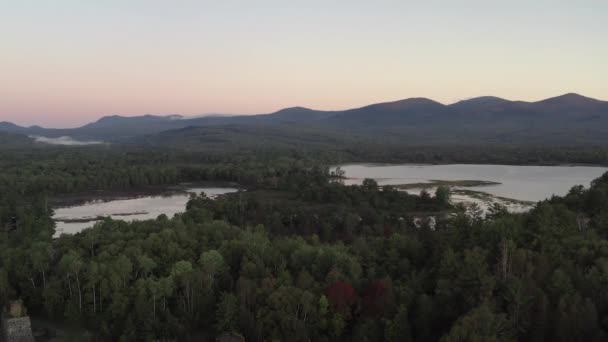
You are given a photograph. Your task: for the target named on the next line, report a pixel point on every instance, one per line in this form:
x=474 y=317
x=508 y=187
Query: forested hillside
x=13 y=140
x=567 y=120
x=297 y=257
x=313 y=171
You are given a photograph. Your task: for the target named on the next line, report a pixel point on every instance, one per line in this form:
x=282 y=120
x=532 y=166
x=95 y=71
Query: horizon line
x=195 y=116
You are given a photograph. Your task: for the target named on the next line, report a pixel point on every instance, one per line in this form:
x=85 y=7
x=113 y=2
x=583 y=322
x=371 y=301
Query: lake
x=75 y=215
x=519 y=183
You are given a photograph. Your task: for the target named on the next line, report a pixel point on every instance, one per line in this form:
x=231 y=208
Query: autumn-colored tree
x=374 y=298
x=341 y=296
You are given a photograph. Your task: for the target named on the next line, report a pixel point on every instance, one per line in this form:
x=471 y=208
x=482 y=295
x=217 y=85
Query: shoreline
x=380 y=164
x=80 y=198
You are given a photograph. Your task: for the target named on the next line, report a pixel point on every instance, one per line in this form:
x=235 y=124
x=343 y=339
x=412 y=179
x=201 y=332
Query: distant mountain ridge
x=565 y=119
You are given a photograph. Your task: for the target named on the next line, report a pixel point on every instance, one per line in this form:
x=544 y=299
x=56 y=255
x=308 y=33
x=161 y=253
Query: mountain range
x=569 y=119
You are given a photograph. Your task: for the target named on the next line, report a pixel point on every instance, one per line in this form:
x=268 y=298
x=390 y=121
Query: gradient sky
x=64 y=63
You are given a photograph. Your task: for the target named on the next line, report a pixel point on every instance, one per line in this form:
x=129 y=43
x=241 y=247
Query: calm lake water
x=526 y=183
x=128 y=208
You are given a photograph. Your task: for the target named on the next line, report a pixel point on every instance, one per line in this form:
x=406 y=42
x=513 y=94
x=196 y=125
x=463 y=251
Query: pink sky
x=67 y=64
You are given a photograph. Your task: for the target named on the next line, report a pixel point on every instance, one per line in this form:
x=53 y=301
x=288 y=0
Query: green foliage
x=480 y=325
x=442 y=194
x=227 y=313
x=299 y=258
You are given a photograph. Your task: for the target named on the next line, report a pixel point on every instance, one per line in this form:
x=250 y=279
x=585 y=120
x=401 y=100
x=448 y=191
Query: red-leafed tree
x=374 y=298
x=388 y=231
x=341 y=296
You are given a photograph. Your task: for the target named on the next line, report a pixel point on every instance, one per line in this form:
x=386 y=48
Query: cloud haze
x=66 y=141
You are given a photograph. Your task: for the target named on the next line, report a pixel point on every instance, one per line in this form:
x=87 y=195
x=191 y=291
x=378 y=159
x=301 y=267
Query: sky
x=64 y=63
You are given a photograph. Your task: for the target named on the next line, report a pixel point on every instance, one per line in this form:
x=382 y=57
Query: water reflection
x=518 y=187
x=526 y=183
x=74 y=218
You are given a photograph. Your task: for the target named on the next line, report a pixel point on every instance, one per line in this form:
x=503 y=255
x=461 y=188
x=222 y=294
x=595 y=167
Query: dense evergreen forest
x=298 y=256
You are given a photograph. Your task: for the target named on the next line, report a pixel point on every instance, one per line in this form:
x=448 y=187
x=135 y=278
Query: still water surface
x=526 y=183
x=71 y=219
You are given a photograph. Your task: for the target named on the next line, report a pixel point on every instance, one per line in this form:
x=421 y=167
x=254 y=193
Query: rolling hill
x=570 y=119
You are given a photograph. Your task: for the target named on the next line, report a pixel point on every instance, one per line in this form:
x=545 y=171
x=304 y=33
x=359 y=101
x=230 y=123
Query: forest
x=299 y=256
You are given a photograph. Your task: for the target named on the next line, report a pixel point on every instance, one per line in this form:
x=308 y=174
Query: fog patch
x=68 y=141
